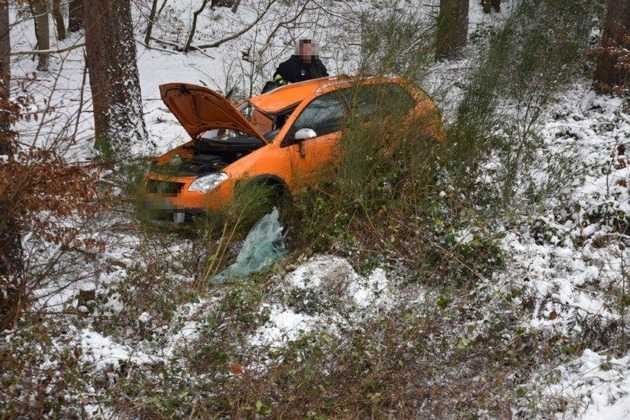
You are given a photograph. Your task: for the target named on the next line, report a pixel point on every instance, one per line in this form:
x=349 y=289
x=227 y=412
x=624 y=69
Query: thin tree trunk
x=452 y=31
x=39 y=8
x=193 y=28
x=155 y=15
x=5 y=77
x=114 y=81
x=12 y=290
x=152 y=15
x=59 y=22
x=609 y=72
x=75 y=20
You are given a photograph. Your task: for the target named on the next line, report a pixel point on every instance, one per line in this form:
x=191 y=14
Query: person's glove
x=279 y=80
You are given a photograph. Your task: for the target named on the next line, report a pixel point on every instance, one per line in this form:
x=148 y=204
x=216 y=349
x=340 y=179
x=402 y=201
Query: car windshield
x=264 y=123
x=269 y=124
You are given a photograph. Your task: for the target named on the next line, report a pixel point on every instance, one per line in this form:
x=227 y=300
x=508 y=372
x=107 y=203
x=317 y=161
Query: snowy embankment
x=573 y=249
x=318 y=277
x=572 y=254
x=315 y=279
x=596 y=385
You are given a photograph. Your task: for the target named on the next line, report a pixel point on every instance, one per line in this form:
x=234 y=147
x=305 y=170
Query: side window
x=324 y=115
x=374 y=100
x=403 y=99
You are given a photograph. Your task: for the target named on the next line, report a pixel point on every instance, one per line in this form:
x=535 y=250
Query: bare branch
x=237 y=34
x=49 y=51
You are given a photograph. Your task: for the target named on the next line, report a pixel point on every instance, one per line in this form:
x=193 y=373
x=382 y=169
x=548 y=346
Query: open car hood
x=199 y=109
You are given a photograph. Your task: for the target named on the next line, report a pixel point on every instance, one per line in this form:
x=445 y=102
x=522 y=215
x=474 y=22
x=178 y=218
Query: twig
x=83 y=80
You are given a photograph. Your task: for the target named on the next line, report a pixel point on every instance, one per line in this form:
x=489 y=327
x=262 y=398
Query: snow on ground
x=104 y=352
x=567 y=253
x=569 y=264
x=572 y=254
x=318 y=277
x=326 y=272
x=284 y=325
x=597 y=386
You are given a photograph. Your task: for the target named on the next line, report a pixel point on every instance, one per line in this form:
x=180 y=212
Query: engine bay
x=209 y=153
x=214 y=149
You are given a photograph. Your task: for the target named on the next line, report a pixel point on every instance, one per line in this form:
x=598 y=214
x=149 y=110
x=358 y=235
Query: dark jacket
x=296 y=70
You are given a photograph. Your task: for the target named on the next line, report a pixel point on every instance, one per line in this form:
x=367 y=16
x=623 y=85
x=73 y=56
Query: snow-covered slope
x=569 y=254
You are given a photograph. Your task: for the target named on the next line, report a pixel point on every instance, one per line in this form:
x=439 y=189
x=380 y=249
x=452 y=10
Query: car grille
x=164 y=187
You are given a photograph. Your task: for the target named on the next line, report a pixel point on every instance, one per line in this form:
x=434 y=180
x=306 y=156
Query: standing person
x=304 y=65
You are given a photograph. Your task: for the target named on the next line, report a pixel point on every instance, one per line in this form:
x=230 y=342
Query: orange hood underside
x=199 y=109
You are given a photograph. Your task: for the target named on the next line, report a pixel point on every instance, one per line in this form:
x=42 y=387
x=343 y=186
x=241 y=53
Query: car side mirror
x=304 y=134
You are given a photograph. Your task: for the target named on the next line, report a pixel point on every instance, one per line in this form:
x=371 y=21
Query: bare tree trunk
x=114 y=81
x=12 y=286
x=5 y=76
x=611 y=71
x=152 y=15
x=155 y=16
x=75 y=21
x=11 y=267
x=59 y=22
x=452 y=31
x=193 y=28
x=39 y=8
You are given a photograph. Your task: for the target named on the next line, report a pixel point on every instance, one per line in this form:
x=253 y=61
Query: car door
x=311 y=159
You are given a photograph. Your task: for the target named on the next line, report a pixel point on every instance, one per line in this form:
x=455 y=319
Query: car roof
x=286 y=96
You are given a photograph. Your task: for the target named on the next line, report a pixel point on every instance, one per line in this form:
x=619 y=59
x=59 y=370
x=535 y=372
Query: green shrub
x=540 y=48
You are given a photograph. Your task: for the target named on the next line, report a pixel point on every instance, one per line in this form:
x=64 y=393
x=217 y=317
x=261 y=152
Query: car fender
x=268 y=161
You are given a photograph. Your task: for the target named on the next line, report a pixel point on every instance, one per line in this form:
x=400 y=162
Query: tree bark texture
x=152 y=17
x=5 y=76
x=452 y=31
x=39 y=8
x=75 y=20
x=114 y=81
x=612 y=65
x=59 y=22
x=11 y=268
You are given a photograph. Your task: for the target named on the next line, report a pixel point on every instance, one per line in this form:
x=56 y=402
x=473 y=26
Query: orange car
x=282 y=138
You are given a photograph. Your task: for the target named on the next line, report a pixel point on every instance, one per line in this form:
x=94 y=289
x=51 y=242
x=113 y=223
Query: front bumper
x=161 y=210
x=179 y=197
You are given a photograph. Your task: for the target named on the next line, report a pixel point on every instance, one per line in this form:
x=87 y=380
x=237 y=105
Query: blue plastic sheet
x=263 y=246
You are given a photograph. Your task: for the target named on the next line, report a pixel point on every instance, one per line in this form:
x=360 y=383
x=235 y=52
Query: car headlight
x=208 y=182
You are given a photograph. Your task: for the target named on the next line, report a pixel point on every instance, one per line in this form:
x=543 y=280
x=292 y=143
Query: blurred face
x=306 y=51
